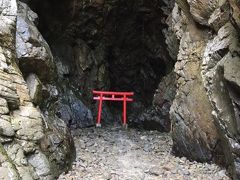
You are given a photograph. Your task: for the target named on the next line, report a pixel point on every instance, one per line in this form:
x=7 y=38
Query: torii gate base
x=112 y=96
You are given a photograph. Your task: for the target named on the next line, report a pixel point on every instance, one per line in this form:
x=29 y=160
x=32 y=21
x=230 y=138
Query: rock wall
x=205 y=112
x=32 y=146
x=108 y=45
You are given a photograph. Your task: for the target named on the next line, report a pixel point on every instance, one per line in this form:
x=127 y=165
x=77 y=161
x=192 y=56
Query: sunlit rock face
x=23 y=126
x=205 y=112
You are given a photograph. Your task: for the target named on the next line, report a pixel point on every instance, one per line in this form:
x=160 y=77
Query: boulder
x=41 y=165
x=72 y=110
x=231 y=71
x=201 y=10
x=6 y=128
x=58 y=144
x=153 y=119
x=7 y=168
x=33 y=52
x=27 y=122
x=35 y=88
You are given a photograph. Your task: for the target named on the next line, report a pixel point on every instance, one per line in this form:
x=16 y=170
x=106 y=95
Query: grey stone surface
x=73 y=111
x=33 y=52
x=115 y=153
x=218 y=62
x=41 y=164
x=21 y=123
x=35 y=88
x=3 y=106
x=6 y=128
x=27 y=123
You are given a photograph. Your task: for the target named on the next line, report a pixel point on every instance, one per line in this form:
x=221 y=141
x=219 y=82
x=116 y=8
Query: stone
x=153 y=119
x=201 y=10
x=6 y=174
x=58 y=144
x=27 y=123
x=73 y=111
x=220 y=16
x=28 y=146
x=3 y=106
x=7 y=168
x=16 y=153
x=193 y=130
x=6 y=128
x=35 y=88
x=231 y=73
x=21 y=123
x=217 y=76
x=33 y=52
x=8 y=91
x=41 y=164
x=128 y=157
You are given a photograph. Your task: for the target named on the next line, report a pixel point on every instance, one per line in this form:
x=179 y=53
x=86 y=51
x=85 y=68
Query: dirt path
x=116 y=153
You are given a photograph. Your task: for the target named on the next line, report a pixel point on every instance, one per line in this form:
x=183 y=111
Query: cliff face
x=32 y=146
x=205 y=111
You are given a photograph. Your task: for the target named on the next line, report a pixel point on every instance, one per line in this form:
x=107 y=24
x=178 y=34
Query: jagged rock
x=165 y=93
x=33 y=51
x=73 y=111
x=201 y=10
x=21 y=124
x=153 y=119
x=6 y=128
x=41 y=164
x=194 y=133
x=8 y=91
x=82 y=62
x=3 y=106
x=218 y=62
x=219 y=77
x=220 y=16
x=16 y=153
x=58 y=144
x=170 y=37
x=29 y=147
x=7 y=168
x=35 y=88
x=27 y=123
x=231 y=71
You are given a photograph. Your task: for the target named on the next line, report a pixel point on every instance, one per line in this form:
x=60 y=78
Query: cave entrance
x=108 y=45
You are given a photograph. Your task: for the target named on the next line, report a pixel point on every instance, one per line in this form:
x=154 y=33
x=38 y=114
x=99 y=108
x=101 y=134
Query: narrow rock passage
x=116 y=153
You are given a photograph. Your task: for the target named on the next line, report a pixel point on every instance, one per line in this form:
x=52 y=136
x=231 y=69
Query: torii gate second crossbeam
x=112 y=96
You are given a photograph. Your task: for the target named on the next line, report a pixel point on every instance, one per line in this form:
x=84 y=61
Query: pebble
x=118 y=154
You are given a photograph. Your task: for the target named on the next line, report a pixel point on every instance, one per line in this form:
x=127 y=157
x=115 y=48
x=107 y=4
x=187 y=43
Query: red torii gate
x=112 y=96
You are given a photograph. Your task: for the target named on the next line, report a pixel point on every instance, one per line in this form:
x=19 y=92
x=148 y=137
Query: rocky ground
x=117 y=153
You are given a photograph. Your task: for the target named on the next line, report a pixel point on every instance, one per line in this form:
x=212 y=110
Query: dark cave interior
x=109 y=45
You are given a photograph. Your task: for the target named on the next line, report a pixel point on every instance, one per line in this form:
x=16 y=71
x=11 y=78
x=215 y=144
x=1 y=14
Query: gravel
x=119 y=154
